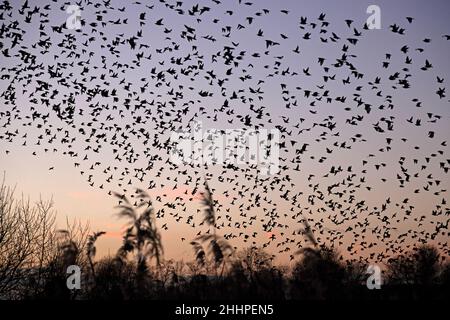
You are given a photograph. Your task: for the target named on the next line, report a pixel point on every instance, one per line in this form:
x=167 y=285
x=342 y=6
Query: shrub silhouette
x=320 y=274
x=254 y=274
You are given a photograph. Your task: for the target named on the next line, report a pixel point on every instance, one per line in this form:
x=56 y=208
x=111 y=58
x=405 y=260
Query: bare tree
x=419 y=266
x=25 y=241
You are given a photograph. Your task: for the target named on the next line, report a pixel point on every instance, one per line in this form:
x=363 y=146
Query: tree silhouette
x=420 y=267
x=26 y=242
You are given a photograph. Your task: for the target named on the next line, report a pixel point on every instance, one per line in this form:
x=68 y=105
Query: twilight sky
x=99 y=111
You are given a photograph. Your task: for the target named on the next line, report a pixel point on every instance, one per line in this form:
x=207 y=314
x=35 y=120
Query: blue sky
x=75 y=198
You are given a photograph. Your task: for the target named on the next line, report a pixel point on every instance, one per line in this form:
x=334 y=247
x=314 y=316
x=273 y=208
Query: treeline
x=35 y=257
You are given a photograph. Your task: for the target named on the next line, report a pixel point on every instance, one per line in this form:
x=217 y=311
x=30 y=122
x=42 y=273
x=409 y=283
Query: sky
x=93 y=61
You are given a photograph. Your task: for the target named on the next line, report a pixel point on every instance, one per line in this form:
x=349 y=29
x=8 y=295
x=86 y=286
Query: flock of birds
x=108 y=96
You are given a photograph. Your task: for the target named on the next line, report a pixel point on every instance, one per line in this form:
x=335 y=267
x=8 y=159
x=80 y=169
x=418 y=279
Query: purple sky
x=93 y=63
